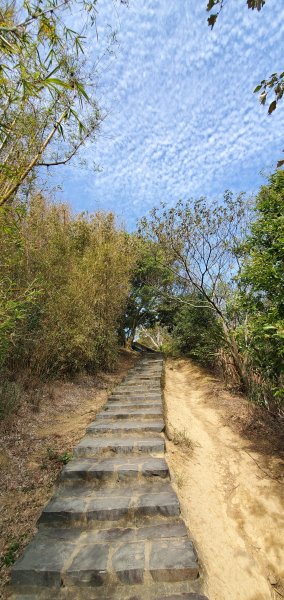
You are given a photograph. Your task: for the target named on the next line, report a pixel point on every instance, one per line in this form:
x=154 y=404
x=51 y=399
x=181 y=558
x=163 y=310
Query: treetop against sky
x=182 y=117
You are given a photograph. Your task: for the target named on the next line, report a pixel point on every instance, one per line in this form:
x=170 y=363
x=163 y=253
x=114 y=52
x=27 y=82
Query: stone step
x=92 y=446
x=143 y=378
x=136 y=394
x=139 y=386
x=148 y=591
x=118 y=468
x=126 y=426
x=122 y=404
x=185 y=596
x=130 y=413
x=113 y=531
x=78 y=506
x=63 y=558
x=134 y=400
x=155 y=370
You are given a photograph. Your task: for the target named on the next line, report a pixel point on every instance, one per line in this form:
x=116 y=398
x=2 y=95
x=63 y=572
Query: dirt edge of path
x=228 y=472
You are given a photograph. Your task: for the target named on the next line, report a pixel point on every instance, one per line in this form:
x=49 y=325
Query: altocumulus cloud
x=182 y=117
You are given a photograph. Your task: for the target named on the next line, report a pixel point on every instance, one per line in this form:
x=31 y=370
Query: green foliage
x=11 y=554
x=225 y=305
x=157 y=337
x=59 y=458
x=149 y=279
x=65 y=283
x=197 y=331
x=48 y=107
x=199 y=239
x=261 y=336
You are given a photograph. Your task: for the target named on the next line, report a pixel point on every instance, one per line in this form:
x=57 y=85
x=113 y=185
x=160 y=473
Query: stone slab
x=91 y=446
x=90 y=468
x=89 y=566
x=190 y=596
x=155 y=530
x=130 y=412
x=128 y=562
x=121 y=404
x=165 y=503
x=126 y=426
x=173 y=562
x=76 y=506
x=136 y=396
x=42 y=563
x=137 y=404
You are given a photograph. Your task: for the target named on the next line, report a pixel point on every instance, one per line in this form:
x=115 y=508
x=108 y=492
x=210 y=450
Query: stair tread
x=130 y=412
x=128 y=442
x=115 y=443
x=119 y=465
x=127 y=425
x=113 y=503
x=77 y=557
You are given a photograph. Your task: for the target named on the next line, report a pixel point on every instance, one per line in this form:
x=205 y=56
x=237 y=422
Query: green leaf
x=258 y=87
x=82 y=91
x=55 y=81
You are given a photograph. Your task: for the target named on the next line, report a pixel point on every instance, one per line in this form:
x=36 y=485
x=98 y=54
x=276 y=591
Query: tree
x=48 y=108
x=261 y=290
x=199 y=242
x=196 y=331
x=148 y=280
x=64 y=287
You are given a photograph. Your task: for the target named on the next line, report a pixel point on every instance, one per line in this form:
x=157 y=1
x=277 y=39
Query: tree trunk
x=237 y=358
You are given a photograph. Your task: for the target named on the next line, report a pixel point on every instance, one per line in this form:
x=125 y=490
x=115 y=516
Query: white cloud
x=183 y=117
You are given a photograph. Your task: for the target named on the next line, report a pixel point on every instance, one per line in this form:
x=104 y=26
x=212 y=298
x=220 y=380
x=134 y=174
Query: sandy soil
x=33 y=446
x=230 y=484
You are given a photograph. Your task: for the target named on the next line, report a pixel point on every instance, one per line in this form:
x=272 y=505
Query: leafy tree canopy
x=48 y=106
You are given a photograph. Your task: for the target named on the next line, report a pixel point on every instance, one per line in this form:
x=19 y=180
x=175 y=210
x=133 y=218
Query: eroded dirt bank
x=231 y=492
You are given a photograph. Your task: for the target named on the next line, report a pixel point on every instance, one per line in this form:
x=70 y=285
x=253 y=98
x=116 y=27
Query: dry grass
x=179 y=438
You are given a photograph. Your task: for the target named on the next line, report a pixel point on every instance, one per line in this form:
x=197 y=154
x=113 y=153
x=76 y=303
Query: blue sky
x=183 y=120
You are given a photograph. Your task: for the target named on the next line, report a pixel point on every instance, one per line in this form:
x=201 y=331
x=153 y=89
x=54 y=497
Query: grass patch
x=179 y=438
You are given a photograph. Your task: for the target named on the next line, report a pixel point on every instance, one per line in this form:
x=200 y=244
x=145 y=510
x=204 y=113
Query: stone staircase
x=113 y=529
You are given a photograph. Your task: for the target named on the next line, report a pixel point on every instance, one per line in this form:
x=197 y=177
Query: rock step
x=134 y=399
x=91 y=446
x=117 y=468
x=151 y=591
x=137 y=404
x=139 y=386
x=125 y=426
x=143 y=378
x=82 y=506
x=137 y=395
x=113 y=530
x=144 y=374
x=157 y=553
x=130 y=413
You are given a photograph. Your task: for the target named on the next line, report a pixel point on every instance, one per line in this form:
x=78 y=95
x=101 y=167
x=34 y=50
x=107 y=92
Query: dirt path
x=233 y=505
